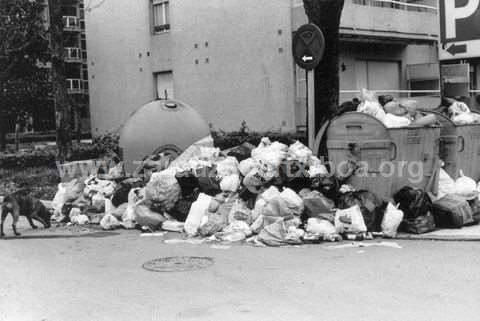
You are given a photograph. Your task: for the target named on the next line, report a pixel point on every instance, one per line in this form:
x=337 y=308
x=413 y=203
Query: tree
x=326 y=15
x=63 y=104
x=23 y=52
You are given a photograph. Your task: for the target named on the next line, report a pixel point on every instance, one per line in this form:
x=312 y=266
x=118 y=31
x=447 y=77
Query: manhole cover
x=178 y=264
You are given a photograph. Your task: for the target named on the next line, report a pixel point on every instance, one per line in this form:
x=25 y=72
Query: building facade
x=75 y=56
x=232 y=60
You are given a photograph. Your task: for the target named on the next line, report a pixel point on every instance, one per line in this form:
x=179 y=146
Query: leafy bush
x=228 y=140
x=106 y=145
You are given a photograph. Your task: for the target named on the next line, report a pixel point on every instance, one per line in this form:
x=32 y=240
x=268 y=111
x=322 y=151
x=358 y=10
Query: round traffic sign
x=308 y=46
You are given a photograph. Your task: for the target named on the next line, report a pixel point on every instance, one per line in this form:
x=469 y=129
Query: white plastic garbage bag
x=173 y=226
x=144 y=216
x=94 y=185
x=299 y=152
x=74 y=212
x=193 y=151
x=463 y=119
x=270 y=193
x=246 y=166
x=227 y=167
x=458 y=108
x=446 y=185
x=163 y=189
x=198 y=210
x=109 y=222
x=391 y=220
x=466 y=187
x=392 y=121
x=98 y=201
x=80 y=219
x=230 y=183
x=370 y=105
x=321 y=227
x=350 y=220
x=239 y=226
x=293 y=200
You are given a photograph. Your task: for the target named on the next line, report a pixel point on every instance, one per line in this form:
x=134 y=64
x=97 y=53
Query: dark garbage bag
x=241 y=152
x=419 y=225
x=413 y=202
x=182 y=206
x=328 y=186
x=452 y=211
x=317 y=206
x=371 y=206
x=417 y=209
x=475 y=206
x=385 y=99
x=120 y=195
x=188 y=181
x=293 y=175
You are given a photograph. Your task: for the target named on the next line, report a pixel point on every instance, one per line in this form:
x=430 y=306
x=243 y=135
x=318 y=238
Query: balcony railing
x=75 y=86
x=73 y=54
x=426 y=6
x=71 y=23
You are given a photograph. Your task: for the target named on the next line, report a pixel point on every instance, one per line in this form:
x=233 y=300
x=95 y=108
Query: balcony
x=372 y=20
x=71 y=24
x=75 y=86
x=73 y=55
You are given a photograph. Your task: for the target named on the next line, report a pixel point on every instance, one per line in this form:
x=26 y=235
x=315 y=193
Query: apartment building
x=232 y=61
x=75 y=56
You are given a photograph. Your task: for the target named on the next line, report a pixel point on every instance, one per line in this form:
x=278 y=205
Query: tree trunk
x=63 y=108
x=3 y=133
x=78 y=123
x=326 y=15
x=17 y=135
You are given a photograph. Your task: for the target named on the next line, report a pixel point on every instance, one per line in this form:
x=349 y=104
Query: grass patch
x=41 y=181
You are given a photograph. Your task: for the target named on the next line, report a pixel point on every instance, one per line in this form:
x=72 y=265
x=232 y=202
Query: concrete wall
x=367 y=20
x=231 y=60
x=242 y=68
x=118 y=40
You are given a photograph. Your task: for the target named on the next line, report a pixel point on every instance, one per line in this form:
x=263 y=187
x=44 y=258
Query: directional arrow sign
x=457 y=49
x=459 y=29
x=307 y=58
x=308 y=46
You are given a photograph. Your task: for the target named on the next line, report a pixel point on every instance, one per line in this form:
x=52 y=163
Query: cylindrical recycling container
x=460 y=147
x=385 y=160
x=161 y=126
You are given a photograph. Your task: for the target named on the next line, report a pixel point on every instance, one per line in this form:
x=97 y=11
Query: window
x=161 y=19
x=164 y=82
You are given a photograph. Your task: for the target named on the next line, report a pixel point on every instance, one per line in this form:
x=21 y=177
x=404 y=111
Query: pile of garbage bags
x=272 y=194
x=391 y=112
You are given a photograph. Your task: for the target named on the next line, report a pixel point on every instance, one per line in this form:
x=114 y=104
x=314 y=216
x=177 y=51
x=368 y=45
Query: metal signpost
x=459 y=29
x=308 y=49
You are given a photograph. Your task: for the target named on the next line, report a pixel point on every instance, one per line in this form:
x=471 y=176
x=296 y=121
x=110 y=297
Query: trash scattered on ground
x=362 y=244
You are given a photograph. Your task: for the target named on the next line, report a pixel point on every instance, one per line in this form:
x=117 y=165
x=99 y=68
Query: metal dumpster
x=161 y=126
x=388 y=159
x=460 y=147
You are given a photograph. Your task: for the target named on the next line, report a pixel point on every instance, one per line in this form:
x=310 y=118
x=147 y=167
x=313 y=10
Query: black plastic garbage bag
x=371 y=206
x=293 y=175
x=188 y=181
x=328 y=186
x=120 y=194
x=241 y=152
x=413 y=202
x=182 y=206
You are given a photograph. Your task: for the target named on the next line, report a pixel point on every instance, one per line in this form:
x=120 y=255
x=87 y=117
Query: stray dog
x=20 y=204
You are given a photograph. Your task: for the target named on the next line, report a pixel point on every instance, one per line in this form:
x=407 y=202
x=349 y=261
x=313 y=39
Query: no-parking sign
x=459 y=29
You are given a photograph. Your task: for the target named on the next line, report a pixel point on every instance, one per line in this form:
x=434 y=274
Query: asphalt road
x=47 y=275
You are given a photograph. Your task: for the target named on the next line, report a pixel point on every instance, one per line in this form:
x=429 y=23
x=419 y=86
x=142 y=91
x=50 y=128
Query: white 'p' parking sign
x=459 y=29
